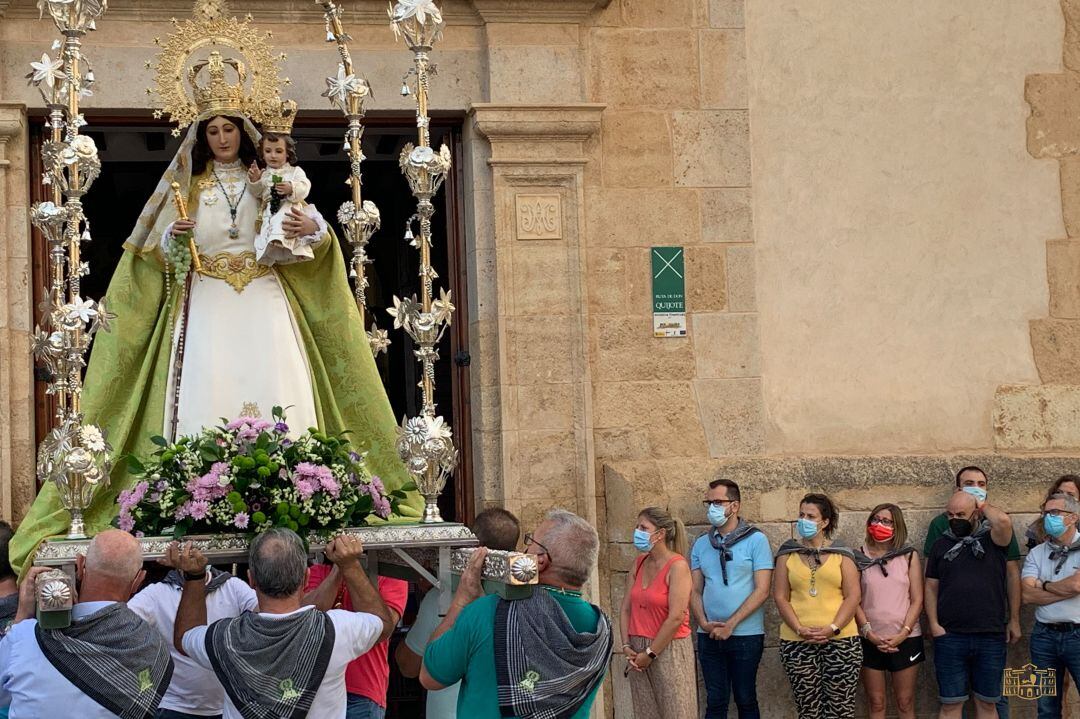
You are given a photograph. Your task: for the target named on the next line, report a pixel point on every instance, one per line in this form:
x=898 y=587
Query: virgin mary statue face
x=223 y=137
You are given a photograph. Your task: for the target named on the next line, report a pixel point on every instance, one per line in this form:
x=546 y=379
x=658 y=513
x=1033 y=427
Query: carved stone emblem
x=539 y=217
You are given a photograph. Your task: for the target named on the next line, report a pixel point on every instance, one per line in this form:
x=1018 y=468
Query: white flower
x=82 y=309
x=92 y=438
x=84 y=147
x=437 y=428
x=420 y=9
x=47 y=71
x=338 y=89
x=421 y=155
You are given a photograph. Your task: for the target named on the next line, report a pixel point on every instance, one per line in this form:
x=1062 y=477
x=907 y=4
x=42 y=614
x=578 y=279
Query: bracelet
x=906 y=628
x=866 y=629
x=1044 y=584
x=627 y=645
x=192 y=577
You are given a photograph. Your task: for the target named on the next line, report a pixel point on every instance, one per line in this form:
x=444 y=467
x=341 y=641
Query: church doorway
x=135 y=152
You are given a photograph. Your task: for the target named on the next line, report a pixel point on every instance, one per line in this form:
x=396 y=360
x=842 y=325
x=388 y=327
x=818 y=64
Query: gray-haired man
x=290 y=658
x=541 y=656
x=1051 y=581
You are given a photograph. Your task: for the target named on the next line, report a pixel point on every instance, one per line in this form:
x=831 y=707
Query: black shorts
x=911 y=653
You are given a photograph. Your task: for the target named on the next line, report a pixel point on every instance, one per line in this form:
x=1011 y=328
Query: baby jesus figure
x=281 y=186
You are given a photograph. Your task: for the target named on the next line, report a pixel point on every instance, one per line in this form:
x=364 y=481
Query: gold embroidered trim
x=238 y=269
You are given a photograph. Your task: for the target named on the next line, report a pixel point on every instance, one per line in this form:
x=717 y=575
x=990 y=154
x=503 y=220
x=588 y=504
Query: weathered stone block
x=1055 y=345
x=547 y=464
x=1037 y=417
x=535 y=74
x=732 y=412
x=642 y=218
x=726 y=13
x=726 y=345
x=727 y=215
x=711 y=148
x=541 y=282
x=1063 y=273
x=621 y=443
x=540 y=349
x=1055 y=102
x=632 y=66
x=741 y=278
x=637 y=149
x=657 y=13
x=664 y=409
x=706 y=278
x=619 y=281
x=546 y=406
x=627 y=350
x=1069 y=171
x=723 y=69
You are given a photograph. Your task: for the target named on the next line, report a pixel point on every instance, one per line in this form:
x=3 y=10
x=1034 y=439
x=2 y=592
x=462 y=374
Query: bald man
x=108 y=663
x=966 y=601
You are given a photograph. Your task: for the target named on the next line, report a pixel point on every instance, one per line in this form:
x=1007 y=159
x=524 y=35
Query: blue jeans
x=730 y=667
x=969 y=660
x=360 y=707
x=1059 y=651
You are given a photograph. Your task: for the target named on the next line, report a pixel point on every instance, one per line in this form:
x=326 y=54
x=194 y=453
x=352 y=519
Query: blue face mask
x=717 y=515
x=977 y=492
x=1054 y=525
x=806 y=528
x=641 y=540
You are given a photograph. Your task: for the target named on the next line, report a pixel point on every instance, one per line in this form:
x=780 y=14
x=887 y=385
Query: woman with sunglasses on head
x=655 y=621
x=888 y=616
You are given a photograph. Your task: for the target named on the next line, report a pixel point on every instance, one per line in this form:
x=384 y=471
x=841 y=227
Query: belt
x=1060 y=626
x=238 y=269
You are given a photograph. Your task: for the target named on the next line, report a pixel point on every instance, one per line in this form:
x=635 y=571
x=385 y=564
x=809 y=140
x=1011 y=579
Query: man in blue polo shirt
x=1051 y=581
x=732 y=567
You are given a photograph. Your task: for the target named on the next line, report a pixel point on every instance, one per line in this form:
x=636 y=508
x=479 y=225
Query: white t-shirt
x=32 y=687
x=193 y=690
x=441 y=703
x=354 y=634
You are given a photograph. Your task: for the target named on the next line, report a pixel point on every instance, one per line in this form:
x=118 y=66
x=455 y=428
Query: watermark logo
x=1029 y=682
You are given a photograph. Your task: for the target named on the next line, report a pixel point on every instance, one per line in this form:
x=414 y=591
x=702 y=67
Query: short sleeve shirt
x=1038 y=565
x=441 y=703
x=354 y=634
x=972 y=594
x=466 y=653
x=368 y=676
x=721 y=601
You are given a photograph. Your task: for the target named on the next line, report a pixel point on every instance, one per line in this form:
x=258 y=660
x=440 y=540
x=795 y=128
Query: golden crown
x=279 y=117
x=196 y=99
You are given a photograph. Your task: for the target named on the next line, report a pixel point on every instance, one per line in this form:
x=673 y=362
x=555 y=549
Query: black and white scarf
x=9 y=606
x=1059 y=553
x=546 y=669
x=864 y=561
x=113 y=657
x=217 y=579
x=271 y=668
x=971 y=541
x=724 y=543
x=794 y=546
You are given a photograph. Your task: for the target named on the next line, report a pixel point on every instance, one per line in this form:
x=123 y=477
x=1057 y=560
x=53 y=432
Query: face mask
x=977 y=492
x=641 y=540
x=806 y=528
x=717 y=515
x=879 y=532
x=1054 y=525
x=960 y=527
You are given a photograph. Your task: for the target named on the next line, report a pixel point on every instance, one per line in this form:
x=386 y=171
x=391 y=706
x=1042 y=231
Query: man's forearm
x=1012 y=573
x=191 y=613
x=324 y=595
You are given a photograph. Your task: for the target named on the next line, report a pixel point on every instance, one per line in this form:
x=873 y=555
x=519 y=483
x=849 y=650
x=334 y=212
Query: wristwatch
x=650 y=652
x=835 y=630
x=194 y=577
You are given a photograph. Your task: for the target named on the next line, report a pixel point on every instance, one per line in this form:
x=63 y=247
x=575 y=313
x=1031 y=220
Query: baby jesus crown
x=279 y=117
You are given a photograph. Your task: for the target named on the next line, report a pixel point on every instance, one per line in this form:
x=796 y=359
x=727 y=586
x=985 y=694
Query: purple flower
x=354 y=456
x=377 y=484
x=198 y=509
x=281 y=427
x=382 y=507
x=127 y=522
x=241 y=520
x=182 y=512
x=140 y=534
x=130 y=499
x=305 y=487
x=161 y=486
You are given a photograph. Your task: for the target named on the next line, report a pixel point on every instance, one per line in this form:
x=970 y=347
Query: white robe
x=242 y=349
x=271 y=244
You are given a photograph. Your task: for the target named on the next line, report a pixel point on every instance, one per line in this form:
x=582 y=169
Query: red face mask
x=879 y=532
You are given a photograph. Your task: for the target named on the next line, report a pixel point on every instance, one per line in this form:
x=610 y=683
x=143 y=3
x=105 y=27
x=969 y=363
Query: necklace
x=560 y=590
x=233 y=203
x=813 y=581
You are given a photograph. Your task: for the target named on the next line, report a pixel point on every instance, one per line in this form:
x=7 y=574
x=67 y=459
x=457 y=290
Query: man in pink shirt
x=368 y=676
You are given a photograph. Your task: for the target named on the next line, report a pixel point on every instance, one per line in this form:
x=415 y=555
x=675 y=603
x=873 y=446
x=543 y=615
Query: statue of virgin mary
x=256 y=335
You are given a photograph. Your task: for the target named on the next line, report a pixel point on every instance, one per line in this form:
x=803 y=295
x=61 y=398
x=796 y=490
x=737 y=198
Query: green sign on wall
x=669 y=292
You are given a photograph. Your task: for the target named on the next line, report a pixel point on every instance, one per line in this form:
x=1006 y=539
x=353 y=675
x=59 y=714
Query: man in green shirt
x=468 y=647
x=973 y=481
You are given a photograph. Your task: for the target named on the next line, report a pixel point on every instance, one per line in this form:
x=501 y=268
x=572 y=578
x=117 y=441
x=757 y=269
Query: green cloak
x=126 y=380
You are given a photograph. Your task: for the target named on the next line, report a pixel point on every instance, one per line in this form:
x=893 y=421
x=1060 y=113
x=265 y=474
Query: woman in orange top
x=656 y=621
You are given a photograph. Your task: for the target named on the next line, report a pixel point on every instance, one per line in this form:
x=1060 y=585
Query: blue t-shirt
x=720 y=601
x=466 y=654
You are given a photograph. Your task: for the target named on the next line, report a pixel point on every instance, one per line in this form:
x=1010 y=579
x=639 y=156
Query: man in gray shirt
x=1051 y=581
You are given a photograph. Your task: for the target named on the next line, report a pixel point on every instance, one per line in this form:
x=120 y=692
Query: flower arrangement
x=248 y=476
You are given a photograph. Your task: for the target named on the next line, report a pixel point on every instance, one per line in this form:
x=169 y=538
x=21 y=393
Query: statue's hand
x=181 y=226
x=297 y=224
x=254 y=173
